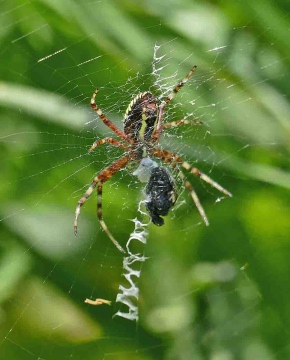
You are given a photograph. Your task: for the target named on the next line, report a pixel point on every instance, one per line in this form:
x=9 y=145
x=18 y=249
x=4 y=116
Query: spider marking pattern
x=142 y=129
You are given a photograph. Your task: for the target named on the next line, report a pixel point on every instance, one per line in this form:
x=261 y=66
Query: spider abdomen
x=141 y=117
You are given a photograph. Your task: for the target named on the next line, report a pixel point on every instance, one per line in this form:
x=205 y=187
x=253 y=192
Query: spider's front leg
x=194 y=197
x=98 y=182
x=174 y=160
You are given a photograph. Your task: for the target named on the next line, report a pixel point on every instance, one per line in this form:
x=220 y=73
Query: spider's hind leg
x=181 y=122
x=167 y=101
x=106 y=121
x=179 y=86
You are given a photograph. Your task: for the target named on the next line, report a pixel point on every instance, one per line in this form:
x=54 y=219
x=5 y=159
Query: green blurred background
x=220 y=292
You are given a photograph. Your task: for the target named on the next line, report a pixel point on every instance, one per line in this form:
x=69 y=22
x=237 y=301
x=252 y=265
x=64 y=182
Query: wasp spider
x=142 y=129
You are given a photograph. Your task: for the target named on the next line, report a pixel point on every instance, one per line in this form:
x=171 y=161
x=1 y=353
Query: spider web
x=206 y=291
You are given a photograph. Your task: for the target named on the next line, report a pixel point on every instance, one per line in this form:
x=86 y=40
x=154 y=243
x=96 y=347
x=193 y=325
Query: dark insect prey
x=161 y=194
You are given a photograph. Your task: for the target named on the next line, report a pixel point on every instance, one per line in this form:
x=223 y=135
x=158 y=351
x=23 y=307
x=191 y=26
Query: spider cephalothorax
x=142 y=129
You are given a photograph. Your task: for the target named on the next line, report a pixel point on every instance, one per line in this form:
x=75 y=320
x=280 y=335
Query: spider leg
x=167 y=101
x=173 y=160
x=181 y=122
x=106 y=121
x=98 y=182
x=205 y=178
x=100 y=217
x=170 y=157
x=111 y=141
x=194 y=196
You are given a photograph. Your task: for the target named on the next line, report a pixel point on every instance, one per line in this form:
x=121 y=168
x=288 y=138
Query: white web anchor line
x=130 y=296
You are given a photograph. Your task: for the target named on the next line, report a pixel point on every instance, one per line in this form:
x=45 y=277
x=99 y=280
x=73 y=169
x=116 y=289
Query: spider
x=142 y=129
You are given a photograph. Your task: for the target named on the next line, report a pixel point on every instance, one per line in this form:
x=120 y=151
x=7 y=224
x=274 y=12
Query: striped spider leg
x=106 y=173
x=108 y=140
x=98 y=182
x=159 y=125
x=106 y=121
x=181 y=122
x=174 y=160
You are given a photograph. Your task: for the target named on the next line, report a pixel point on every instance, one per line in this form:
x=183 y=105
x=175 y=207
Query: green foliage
x=220 y=292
